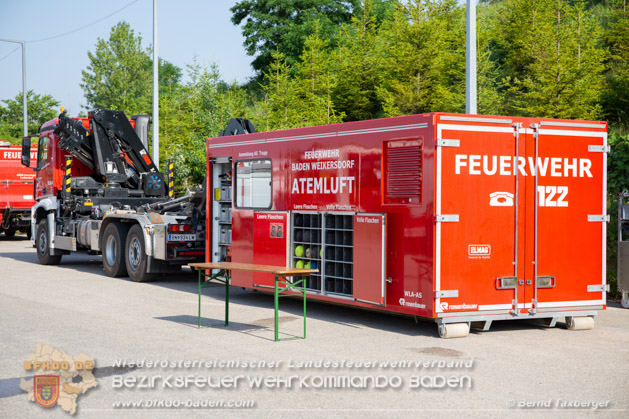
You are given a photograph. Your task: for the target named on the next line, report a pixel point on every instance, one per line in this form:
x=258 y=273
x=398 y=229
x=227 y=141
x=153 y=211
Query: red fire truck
x=98 y=190
x=458 y=218
x=16 y=191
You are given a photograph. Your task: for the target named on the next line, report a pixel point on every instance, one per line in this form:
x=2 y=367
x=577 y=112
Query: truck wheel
x=42 y=244
x=136 y=259
x=10 y=232
x=114 y=238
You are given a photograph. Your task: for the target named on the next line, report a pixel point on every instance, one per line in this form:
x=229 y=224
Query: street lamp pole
x=470 y=67
x=155 y=89
x=24 y=102
x=24 y=92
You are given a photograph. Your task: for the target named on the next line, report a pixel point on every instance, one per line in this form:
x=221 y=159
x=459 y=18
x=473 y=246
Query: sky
x=186 y=29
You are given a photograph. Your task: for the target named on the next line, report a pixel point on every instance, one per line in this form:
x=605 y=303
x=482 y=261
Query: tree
x=283 y=26
x=314 y=83
x=169 y=74
x=616 y=94
x=424 y=57
x=488 y=74
x=278 y=108
x=41 y=108
x=358 y=66
x=192 y=112
x=119 y=74
x=552 y=54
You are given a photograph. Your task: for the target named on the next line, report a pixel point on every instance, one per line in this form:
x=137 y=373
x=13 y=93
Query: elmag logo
x=60 y=377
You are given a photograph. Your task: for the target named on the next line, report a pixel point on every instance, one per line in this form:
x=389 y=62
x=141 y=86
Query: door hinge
x=447 y=294
x=599 y=148
x=598 y=288
x=595 y=218
x=448 y=143
x=533 y=310
x=447 y=218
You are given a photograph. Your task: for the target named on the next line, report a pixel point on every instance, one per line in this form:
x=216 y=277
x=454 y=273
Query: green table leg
x=277 y=337
x=278 y=293
x=303 y=288
x=207 y=283
x=199 y=299
x=226 y=298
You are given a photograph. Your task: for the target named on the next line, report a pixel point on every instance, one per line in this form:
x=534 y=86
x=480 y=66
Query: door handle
x=505 y=283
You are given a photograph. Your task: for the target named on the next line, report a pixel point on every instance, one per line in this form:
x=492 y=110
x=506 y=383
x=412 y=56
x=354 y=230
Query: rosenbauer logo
x=413 y=304
x=457 y=307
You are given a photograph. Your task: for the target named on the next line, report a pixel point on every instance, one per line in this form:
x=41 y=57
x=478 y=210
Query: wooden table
x=280 y=272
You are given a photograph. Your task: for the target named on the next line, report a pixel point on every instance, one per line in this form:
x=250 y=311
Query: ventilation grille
x=403 y=172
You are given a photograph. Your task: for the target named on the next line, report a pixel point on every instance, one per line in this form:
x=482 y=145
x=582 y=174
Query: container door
x=369 y=258
x=270 y=244
x=569 y=219
x=477 y=215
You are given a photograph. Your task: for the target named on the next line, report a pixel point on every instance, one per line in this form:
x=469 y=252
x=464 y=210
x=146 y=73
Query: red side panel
x=270 y=243
x=478 y=186
x=369 y=251
x=16 y=181
x=570 y=232
x=541 y=180
x=242 y=246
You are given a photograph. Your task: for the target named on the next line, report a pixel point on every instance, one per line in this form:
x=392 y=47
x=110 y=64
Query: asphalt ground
x=357 y=357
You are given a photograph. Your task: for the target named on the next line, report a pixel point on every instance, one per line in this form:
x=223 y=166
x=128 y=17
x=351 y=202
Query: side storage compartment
x=307 y=249
x=221 y=210
x=334 y=243
x=339 y=254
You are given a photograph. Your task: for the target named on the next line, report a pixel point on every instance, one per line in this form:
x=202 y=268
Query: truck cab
x=50 y=162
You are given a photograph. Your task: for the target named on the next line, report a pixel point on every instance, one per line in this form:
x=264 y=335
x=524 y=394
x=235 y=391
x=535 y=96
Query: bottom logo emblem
x=46 y=390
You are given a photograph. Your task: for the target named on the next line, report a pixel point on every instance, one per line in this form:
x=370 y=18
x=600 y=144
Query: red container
x=16 y=182
x=458 y=218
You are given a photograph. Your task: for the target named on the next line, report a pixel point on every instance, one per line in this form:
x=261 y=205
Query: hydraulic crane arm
x=112 y=149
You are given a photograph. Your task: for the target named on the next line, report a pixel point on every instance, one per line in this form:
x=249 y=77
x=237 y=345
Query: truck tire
x=136 y=259
x=42 y=244
x=10 y=232
x=114 y=239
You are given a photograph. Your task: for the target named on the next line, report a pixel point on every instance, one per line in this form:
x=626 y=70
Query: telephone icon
x=500 y=199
